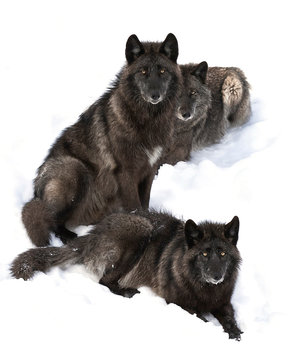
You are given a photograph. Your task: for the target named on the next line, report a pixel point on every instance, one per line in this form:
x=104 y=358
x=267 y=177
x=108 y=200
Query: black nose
x=186 y=115
x=155 y=96
x=217 y=277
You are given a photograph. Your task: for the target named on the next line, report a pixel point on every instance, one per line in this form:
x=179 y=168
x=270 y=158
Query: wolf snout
x=213 y=277
x=155 y=98
x=184 y=114
x=217 y=277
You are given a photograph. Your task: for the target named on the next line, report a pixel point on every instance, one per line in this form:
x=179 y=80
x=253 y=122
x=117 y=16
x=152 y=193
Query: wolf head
x=196 y=96
x=152 y=70
x=212 y=250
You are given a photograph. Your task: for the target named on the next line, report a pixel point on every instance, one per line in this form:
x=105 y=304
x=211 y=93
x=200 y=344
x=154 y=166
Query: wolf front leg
x=128 y=191
x=198 y=315
x=144 y=189
x=226 y=317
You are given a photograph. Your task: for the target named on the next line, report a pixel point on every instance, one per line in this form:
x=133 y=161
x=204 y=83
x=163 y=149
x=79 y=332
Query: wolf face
x=213 y=250
x=196 y=95
x=152 y=68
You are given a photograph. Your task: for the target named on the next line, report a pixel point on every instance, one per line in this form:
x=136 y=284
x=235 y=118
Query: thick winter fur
x=107 y=160
x=213 y=100
x=234 y=88
x=193 y=266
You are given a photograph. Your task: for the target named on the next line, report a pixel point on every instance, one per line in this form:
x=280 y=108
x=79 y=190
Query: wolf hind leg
x=59 y=187
x=110 y=279
x=39 y=221
x=119 y=268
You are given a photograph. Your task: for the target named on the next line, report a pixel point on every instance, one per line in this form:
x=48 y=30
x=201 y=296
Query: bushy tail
x=42 y=259
x=236 y=98
x=232 y=90
x=39 y=221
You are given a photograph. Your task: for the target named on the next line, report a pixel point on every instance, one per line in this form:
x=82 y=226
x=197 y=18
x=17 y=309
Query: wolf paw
x=130 y=292
x=235 y=334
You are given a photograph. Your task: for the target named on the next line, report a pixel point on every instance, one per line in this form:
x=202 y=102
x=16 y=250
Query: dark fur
x=107 y=160
x=213 y=100
x=193 y=266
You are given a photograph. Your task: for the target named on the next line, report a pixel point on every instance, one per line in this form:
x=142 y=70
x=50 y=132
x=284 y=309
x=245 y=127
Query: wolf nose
x=155 y=96
x=217 y=277
x=186 y=115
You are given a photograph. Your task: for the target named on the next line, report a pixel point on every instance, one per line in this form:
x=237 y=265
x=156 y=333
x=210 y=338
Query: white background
x=57 y=58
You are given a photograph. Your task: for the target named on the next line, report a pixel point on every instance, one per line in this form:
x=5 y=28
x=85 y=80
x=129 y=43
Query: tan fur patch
x=232 y=90
x=52 y=190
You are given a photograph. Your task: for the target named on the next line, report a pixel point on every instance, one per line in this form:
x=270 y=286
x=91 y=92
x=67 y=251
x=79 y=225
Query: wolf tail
x=39 y=221
x=236 y=98
x=29 y=262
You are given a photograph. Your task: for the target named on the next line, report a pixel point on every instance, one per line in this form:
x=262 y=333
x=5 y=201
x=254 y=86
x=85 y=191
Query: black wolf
x=213 y=100
x=107 y=160
x=193 y=266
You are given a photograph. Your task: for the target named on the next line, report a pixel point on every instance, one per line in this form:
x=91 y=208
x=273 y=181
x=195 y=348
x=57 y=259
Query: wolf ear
x=193 y=233
x=134 y=49
x=231 y=230
x=200 y=71
x=170 y=47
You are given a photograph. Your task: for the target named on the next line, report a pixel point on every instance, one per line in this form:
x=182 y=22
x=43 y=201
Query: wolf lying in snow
x=213 y=100
x=193 y=266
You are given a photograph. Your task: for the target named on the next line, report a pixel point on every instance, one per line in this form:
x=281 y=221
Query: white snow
x=57 y=58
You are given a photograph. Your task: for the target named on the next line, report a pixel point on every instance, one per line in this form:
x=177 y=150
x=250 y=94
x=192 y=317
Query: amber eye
x=205 y=254
x=162 y=71
x=193 y=92
x=143 y=71
x=223 y=253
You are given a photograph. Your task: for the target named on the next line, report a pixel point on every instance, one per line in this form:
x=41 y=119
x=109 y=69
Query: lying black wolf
x=107 y=160
x=193 y=266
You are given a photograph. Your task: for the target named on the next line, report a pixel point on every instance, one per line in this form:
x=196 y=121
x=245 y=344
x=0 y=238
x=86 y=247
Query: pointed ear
x=170 y=47
x=193 y=233
x=231 y=230
x=134 y=49
x=200 y=71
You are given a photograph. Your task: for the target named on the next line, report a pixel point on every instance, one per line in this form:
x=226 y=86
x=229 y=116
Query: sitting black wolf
x=193 y=266
x=107 y=160
x=213 y=100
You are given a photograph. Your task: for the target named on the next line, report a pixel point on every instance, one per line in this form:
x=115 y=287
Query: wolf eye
x=205 y=254
x=162 y=71
x=194 y=92
x=222 y=253
x=143 y=71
